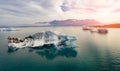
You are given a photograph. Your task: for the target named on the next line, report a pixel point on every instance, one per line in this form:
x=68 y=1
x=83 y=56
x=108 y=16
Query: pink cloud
x=90 y=10
x=116 y=10
x=101 y=3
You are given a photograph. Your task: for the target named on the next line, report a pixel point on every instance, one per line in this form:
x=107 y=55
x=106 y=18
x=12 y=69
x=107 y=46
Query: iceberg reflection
x=50 y=51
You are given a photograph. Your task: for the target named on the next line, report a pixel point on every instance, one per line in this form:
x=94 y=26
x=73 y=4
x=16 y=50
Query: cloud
x=88 y=5
x=116 y=10
x=30 y=11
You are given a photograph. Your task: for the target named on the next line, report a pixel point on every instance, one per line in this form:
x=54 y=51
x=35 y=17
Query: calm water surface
x=93 y=52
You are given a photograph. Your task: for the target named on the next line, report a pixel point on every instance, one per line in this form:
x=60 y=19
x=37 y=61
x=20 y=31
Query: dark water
x=93 y=52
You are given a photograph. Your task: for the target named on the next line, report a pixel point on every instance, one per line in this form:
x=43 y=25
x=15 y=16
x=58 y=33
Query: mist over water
x=92 y=52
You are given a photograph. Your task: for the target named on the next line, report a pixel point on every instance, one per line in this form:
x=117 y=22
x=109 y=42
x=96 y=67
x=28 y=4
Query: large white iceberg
x=41 y=39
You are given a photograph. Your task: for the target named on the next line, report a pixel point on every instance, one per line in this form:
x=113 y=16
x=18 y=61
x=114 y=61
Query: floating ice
x=8 y=29
x=41 y=39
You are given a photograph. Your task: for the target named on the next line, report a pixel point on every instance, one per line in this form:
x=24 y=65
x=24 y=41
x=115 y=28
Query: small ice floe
x=99 y=30
x=96 y=30
x=93 y=30
x=8 y=29
x=86 y=28
x=41 y=39
x=102 y=31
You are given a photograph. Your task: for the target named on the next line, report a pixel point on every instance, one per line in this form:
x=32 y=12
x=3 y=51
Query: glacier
x=41 y=39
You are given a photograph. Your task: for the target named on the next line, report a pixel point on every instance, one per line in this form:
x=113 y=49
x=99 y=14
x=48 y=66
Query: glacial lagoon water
x=92 y=52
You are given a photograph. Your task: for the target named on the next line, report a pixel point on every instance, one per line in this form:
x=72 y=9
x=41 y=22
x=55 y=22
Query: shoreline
x=107 y=26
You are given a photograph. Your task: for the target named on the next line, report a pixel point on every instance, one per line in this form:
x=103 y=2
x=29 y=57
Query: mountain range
x=71 y=22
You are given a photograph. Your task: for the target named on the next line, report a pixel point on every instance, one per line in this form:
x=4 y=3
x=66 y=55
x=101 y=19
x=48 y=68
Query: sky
x=25 y=12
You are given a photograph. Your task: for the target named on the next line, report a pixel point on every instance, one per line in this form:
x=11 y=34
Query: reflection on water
x=50 y=51
x=12 y=50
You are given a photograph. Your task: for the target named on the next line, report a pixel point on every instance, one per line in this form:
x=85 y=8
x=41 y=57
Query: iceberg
x=8 y=29
x=41 y=39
